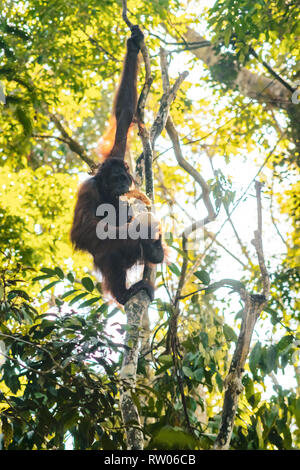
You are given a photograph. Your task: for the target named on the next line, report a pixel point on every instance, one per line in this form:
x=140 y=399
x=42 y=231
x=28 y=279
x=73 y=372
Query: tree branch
x=211 y=215
x=253 y=306
x=124 y=14
x=272 y=72
x=137 y=307
x=257 y=242
x=73 y=145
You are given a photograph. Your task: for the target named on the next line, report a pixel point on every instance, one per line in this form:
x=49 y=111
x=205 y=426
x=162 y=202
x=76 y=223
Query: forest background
x=234 y=121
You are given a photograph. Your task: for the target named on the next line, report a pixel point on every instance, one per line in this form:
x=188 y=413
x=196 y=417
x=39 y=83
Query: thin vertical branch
x=257 y=242
x=272 y=216
x=137 y=307
x=253 y=306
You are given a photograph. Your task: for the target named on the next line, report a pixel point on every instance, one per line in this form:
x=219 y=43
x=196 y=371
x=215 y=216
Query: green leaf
x=238 y=285
x=70 y=277
x=198 y=374
x=44 y=276
x=219 y=382
x=73 y=321
x=59 y=302
x=49 y=271
x=166 y=359
x=271 y=358
x=229 y=333
x=175 y=270
x=255 y=357
x=18 y=293
x=203 y=276
x=88 y=284
x=89 y=302
x=169 y=238
x=297 y=411
x=52 y=284
x=285 y=342
x=227 y=35
x=249 y=387
x=24 y=120
x=274 y=314
x=255 y=399
x=174 y=438
x=59 y=272
x=203 y=336
x=104 y=309
x=69 y=292
x=78 y=297
x=187 y=371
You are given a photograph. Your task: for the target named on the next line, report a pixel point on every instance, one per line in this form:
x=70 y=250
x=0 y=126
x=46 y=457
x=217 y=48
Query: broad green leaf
x=255 y=357
x=187 y=371
x=88 y=284
x=229 y=333
x=203 y=276
x=70 y=277
x=165 y=359
x=49 y=271
x=175 y=270
x=44 y=276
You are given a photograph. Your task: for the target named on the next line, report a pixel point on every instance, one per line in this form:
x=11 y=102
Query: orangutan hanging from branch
x=119 y=243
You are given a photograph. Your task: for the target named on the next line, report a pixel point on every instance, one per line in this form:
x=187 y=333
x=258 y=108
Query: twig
x=271 y=71
x=230 y=283
x=211 y=215
x=124 y=14
x=21 y=340
x=212 y=237
x=199 y=260
x=94 y=42
x=273 y=218
x=148 y=139
x=173 y=344
x=73 y=145
x=242 y=246
x=203 y=43
x=257 y=242
x=46 y=136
